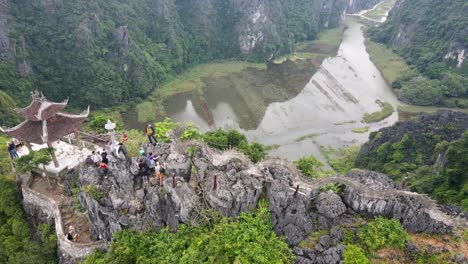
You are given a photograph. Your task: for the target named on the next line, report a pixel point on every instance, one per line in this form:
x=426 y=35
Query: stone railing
x=69 y=252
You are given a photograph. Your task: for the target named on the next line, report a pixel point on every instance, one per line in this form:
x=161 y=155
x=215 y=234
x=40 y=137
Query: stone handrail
x=67 y=249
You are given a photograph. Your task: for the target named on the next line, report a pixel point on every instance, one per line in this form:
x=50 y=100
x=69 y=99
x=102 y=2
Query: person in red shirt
x=104 y=168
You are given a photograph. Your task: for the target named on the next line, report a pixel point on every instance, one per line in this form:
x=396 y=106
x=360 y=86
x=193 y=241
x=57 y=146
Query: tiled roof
x=58 y=126
x=41 y=109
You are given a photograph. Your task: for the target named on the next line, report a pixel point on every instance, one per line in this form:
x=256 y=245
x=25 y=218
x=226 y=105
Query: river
x=332 y=104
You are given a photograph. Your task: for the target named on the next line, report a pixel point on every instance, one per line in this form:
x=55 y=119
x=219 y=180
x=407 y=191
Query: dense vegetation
x=429 y=36
x=16 y=244
x=106 y=52
x=249 y=239
x=8 y=116
x=429 y=157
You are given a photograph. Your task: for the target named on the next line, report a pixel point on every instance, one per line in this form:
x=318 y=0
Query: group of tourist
x=100 y=160
x=149 y=165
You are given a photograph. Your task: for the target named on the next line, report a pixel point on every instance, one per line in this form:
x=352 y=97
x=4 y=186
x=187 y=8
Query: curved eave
x=84 y=114
x=8 y=130
x=44 y=110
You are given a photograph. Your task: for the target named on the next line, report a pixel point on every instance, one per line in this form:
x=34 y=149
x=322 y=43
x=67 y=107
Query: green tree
x=16 y=245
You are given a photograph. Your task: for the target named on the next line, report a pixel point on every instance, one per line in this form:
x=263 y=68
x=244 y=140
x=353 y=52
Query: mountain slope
x=105 y=52
x=429 y=154
x=432 y=36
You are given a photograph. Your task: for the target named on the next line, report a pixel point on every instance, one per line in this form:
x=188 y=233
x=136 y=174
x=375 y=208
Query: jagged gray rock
x=229 y=183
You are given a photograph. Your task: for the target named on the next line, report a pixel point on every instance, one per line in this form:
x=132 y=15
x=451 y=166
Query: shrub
x=98 y=121
x=162 y=128
x=311 y=167
x=354 y=255
x=93 y=192
x=223 y=140
x=381 y=233
x=249 y=239
x=190 y=132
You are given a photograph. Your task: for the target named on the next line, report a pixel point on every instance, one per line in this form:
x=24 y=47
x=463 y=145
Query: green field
x=390 y=64
x=195 y=79
x=187 y=82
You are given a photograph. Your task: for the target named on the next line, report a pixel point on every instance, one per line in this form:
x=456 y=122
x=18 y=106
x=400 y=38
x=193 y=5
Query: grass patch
x=272 y=147
x=313 y=239
x=390 y=64
x=312 y=135
x=345 y=122
x=295 y=56
x=327 y=43
x=387 y=110
x=361 y=130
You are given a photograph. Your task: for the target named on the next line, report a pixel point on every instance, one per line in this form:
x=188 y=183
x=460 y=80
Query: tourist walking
x=12 y=150
x=104 y=157
x=104 y=169
x=143 y=170
x=160 y=169
x=151 y=161
x=150 y=133
x=95 y=158
x=122 y=151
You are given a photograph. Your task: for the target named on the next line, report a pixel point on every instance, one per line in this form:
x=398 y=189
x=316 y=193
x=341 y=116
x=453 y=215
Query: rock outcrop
x=229 y=183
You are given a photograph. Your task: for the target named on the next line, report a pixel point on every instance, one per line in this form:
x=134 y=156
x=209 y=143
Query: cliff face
x=429 y=31
x=229 y=183
x=104 y=52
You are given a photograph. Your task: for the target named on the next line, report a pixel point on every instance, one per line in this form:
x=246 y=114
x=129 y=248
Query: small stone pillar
x=54 y=157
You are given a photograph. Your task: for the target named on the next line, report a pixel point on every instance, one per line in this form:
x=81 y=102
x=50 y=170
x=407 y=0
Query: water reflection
x=282 y=104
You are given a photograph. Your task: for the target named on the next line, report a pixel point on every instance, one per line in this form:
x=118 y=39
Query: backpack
x=151 y=163
x=162 y=169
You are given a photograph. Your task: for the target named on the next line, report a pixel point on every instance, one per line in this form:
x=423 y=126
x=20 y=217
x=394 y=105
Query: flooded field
x=295 y=99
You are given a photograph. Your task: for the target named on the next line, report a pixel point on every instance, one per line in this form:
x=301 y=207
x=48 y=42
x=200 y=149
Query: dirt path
x=423 y=241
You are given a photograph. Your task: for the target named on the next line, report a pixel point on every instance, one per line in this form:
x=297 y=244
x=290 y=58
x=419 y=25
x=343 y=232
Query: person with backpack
x=143 y=170
x=150 y=133
x=160 y=169
x=151 y=161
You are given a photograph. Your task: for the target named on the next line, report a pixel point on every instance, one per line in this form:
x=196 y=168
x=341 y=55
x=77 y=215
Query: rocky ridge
x=229 y=183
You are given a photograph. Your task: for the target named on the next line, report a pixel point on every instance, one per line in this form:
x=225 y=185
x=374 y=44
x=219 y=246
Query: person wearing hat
x=150 y=133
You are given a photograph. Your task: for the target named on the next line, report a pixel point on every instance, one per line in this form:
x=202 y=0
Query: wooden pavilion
x=45 y=122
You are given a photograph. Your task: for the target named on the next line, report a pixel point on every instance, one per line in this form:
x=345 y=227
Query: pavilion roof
x=58 y=125
x=40 y=108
